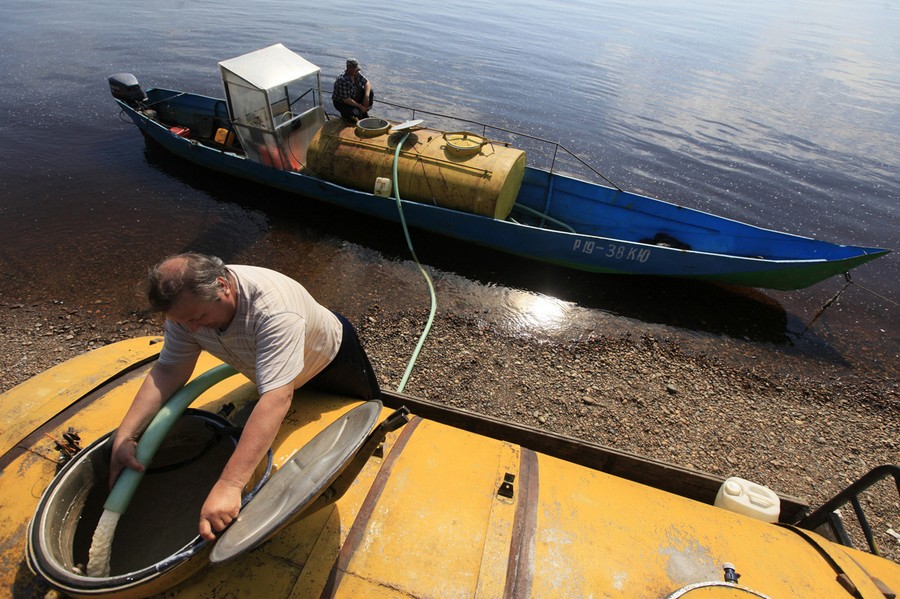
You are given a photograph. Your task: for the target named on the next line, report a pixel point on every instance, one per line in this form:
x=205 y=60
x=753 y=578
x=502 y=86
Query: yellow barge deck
x=443 y=510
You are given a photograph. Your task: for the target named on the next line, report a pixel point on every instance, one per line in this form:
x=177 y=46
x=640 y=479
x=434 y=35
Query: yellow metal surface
x=427 y=519
x=485 y=180
x=464 y=143
x=599 y=532
x=492 y=573
x=428 y=533
x=30 y=404
x=31 y=472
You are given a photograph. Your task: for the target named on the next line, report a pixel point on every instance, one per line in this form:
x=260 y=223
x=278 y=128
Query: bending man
x=269 y=328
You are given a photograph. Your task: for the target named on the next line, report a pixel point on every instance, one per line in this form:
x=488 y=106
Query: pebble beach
x=808 y=437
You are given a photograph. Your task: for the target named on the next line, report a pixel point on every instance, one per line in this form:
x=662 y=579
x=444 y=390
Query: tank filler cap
x=407 y=125
x=464 y=143
x=308 y=474
x=732 y=488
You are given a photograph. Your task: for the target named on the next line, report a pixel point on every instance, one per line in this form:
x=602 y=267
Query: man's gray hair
x=196 y=273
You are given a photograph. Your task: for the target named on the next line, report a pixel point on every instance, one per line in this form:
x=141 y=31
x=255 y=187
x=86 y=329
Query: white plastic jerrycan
x=750 y=499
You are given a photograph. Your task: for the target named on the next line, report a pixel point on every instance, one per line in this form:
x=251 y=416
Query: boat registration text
x=613 y=251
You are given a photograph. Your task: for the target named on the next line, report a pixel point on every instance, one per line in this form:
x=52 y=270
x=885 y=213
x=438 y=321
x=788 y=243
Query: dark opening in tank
x=164 y=513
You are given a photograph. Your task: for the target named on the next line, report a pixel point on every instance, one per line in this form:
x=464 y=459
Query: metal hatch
x=313 y=473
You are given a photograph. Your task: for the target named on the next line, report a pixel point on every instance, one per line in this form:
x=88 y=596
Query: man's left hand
x=220 y=509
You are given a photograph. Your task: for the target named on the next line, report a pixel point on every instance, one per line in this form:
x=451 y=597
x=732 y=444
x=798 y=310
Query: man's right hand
x=123 y=456
x=160 y=384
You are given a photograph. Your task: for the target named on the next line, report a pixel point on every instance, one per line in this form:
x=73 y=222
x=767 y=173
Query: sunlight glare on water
x=536 y=312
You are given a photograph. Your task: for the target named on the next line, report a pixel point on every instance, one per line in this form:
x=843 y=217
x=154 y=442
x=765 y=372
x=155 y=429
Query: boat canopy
x=274 y=102
x=267 y=68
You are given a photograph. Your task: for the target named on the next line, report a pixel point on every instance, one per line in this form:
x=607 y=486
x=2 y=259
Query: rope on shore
x=834 y=298
x=878 y=295
x=828 y=303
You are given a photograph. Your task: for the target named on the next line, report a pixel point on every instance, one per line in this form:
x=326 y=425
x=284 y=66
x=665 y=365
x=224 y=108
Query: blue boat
x=272 y=129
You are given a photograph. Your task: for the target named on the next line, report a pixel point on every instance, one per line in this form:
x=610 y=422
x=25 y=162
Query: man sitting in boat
x=269 y=328
x=353 y=95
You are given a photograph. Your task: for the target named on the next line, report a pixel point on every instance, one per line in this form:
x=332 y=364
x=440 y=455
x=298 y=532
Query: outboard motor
x=125 y=87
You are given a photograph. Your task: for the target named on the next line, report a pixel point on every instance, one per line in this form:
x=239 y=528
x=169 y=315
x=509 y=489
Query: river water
x=784 y=114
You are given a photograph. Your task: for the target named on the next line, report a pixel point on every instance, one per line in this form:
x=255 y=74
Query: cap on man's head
x=352 y=63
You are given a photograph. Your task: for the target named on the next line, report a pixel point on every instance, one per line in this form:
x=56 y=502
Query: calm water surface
x=782 y=114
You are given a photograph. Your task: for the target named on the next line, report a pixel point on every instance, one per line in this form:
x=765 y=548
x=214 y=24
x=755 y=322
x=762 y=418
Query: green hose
x=162 y=423
x=415 y=355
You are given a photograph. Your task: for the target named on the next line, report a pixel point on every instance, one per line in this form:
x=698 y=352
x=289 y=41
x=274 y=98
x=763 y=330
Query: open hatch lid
x=298 y=482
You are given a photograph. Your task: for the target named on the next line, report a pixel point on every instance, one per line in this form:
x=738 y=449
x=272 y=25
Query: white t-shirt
x=279 y=332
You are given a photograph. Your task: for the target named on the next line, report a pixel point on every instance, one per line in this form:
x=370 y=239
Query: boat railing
x=553 y=148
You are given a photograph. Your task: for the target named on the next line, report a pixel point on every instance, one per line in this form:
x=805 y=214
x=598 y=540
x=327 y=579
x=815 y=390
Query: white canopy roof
x=268 y=67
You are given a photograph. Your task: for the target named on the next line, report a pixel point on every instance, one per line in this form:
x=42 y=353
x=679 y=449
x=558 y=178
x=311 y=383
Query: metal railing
x=826 y=514
x=556 y=146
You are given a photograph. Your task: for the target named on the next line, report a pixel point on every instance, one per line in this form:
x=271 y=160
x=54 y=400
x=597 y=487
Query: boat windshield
x=249 y=106
x=274 y=100
x=268 y=87
x=294 y=99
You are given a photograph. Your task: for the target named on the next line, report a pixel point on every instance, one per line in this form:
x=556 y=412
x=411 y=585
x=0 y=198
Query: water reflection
x=539 y=312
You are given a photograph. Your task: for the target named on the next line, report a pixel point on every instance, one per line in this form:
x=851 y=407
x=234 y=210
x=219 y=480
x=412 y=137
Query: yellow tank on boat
x=462 y=171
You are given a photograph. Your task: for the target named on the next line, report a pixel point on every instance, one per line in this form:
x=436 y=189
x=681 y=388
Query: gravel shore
x=638 y=392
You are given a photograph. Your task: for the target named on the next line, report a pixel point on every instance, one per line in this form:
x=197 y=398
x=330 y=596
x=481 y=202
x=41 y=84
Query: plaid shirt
x=345 y=87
